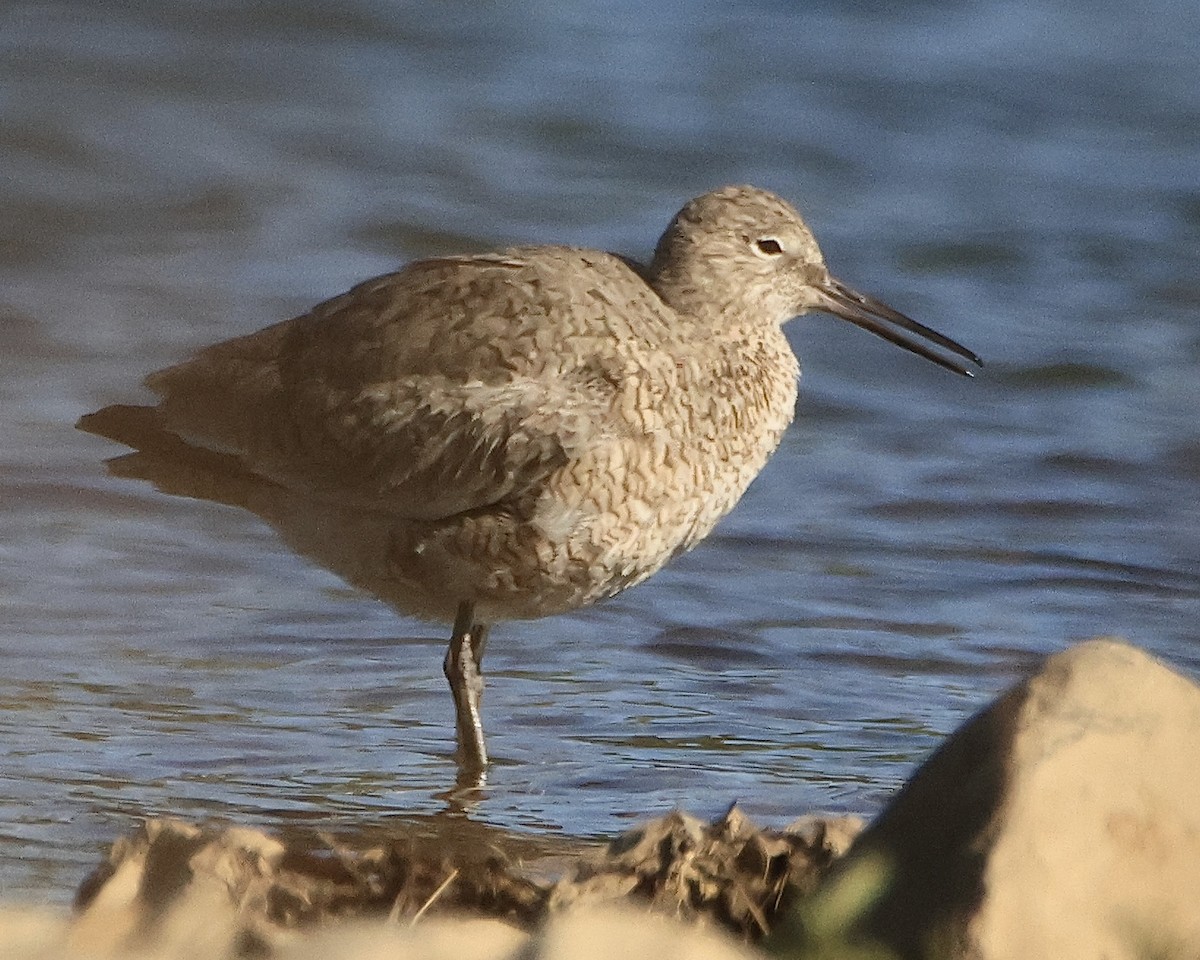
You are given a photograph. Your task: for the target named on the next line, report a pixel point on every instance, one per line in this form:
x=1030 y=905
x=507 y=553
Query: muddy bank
x=729 y=873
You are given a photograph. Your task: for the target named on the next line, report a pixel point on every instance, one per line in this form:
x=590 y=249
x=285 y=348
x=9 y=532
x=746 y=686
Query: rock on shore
x=1061 y=822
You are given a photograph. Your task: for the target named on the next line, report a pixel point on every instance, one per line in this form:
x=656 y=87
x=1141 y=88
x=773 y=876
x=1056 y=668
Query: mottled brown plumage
x=510 y=435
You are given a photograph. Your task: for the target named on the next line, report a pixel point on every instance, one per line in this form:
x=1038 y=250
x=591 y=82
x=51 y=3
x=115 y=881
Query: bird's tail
x=171 y=463
x=138 y=427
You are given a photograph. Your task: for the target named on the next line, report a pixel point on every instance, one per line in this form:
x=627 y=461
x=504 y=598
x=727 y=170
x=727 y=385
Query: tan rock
x=38 y=933
x=599 y=933
x=626 y=932
x=1062 y=822
x=32 y=933
x=438 y=939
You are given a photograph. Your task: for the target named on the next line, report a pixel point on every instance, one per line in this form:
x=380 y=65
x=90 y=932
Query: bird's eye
x=768 y=246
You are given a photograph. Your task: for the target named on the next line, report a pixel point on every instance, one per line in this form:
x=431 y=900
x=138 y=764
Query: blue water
x=1022 y=175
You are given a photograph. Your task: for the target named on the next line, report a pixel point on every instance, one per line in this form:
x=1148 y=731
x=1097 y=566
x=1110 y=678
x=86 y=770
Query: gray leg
x=464 y=670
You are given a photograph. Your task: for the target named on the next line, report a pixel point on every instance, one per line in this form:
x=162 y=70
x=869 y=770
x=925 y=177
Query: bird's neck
x=688 y=296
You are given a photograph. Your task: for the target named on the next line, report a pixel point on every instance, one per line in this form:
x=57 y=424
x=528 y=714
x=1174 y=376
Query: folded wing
x=439 y=389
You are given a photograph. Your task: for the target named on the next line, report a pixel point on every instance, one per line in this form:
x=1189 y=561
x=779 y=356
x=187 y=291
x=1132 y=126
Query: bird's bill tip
x=890 y=324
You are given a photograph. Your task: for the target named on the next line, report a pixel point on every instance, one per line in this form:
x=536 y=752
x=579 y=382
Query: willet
x=515 y=434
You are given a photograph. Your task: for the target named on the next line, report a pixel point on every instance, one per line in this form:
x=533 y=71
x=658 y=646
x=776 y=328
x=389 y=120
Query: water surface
x=1021 y=175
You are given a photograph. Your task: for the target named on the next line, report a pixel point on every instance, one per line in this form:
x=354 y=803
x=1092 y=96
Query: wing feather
x=452 y=385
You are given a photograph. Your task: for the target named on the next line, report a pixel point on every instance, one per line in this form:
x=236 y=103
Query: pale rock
x=607 y=933
x=1061 y=822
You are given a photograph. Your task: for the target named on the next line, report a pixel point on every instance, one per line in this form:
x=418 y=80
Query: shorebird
x=511 y=435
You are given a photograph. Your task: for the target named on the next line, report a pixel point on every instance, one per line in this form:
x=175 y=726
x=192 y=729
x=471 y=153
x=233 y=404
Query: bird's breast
x=685 y=446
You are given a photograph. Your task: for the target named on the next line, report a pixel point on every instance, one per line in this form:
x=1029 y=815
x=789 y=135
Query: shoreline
x=1062 y=820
